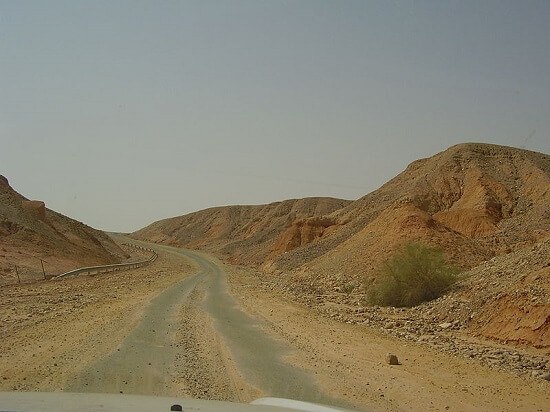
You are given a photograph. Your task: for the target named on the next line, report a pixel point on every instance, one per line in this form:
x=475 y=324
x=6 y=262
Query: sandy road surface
x=173 y=329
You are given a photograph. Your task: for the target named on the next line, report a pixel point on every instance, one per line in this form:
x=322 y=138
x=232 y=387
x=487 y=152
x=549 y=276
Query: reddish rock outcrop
x=36 y=208
x=302 y=232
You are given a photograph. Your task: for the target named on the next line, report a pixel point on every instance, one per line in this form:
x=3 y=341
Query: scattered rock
x=391 y=359
x=424 y=338
x=390 y=325
x=541 y=375
x=445 y=325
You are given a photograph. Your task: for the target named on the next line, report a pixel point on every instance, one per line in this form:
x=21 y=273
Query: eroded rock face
x=247 y=234
x=28 y=230
x=301 y=232
x=36 y=207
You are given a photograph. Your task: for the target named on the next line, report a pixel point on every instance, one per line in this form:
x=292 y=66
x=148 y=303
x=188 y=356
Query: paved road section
x=142 y=363
x=258 y=356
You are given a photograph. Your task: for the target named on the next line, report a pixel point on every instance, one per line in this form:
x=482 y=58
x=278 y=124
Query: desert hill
x=474 y=200
x=30 y=232
x=246 y=234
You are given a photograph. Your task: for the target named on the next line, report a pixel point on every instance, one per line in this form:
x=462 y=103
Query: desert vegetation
x=416 y=273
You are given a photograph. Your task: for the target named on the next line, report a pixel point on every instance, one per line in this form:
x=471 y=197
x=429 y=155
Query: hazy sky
x=118 y=113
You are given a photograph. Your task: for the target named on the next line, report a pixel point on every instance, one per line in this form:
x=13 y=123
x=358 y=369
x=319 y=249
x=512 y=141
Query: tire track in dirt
x=141 y=363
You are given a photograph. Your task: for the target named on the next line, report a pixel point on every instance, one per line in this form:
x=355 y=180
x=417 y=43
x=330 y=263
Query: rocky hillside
x=247 y=234
x=506 y=298
x=29 y=232
x=476 y=201
x=497 y=313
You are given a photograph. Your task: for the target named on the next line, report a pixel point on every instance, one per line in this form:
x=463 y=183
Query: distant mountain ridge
x=242 y=234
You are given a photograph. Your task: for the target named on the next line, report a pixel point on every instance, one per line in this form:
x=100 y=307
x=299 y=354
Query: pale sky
x=119 y=113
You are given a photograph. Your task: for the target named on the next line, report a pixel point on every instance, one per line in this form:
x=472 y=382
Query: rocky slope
x=476 y=201
x=30 y=232
x=498 y=313
x=246 y=234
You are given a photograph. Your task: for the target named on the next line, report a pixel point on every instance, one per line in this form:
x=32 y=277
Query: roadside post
x=43 y=271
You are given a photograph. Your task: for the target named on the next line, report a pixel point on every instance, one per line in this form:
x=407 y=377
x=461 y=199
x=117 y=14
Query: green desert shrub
x=415 y=274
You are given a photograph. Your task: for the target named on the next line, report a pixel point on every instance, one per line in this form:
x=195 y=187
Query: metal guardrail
x=94 y=270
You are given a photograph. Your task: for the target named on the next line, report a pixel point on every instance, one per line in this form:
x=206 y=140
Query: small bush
x=347 y=288
x=415 y=274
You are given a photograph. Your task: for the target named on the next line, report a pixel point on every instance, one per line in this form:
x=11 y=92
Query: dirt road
x=144 y=362
x=257 y=356
x=140 y=363
x=179 y=328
